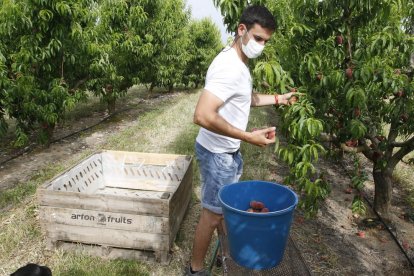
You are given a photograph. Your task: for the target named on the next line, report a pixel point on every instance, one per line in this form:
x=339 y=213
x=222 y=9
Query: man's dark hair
x=32 y=270
x=256 y=14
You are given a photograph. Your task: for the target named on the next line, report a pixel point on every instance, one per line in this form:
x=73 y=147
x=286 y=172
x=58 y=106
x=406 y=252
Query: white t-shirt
x=229 y=79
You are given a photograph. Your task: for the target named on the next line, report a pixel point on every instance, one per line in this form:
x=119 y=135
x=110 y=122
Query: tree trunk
x=111 y=106
x=151 y=87
x=383 y=192
x=110 y=98
x=48 y=130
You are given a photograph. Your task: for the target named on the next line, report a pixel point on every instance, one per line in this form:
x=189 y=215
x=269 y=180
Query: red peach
x=348 y=73
x=339 y=39
x=265 y=210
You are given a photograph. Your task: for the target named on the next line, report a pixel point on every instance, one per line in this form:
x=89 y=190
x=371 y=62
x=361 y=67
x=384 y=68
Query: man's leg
x=216 y=170
x=208 y=222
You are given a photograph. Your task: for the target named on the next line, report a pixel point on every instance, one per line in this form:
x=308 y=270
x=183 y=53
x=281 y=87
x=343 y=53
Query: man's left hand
x=288 y=98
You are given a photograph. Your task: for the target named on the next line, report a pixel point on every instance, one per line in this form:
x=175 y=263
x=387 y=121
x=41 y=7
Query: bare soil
x=329 y=243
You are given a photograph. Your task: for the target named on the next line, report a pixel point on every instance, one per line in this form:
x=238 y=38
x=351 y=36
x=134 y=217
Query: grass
x=167 y=128
x=258 y=161
x=94 y=104
x=404 y=175
x=13 y=196
x=158 y=128
x=81 y=265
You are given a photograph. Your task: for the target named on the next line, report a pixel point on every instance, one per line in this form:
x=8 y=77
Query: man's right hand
x=261 y=137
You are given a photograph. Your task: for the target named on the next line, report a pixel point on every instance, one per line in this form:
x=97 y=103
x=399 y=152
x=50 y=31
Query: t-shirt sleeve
x=221 y=80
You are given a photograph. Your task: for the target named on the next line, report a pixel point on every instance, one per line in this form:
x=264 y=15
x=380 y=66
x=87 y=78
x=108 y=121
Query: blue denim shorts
x=216 y=170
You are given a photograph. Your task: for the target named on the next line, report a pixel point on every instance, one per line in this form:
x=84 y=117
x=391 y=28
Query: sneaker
x=198 y=273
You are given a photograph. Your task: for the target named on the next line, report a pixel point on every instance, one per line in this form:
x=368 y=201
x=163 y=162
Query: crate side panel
x=140 y=184
x=107 y=220
x=85 y=177
x=156 y=172
x=132 y=194
x=179 y=202
x=105 y=203
x=143 y=157
x=106 y=237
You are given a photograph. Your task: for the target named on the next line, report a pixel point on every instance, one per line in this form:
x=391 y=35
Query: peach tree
x=113 y=49
x=204 y=46
x=166 y=30
x=42 y=56
x=353 y=61
x=53 y=52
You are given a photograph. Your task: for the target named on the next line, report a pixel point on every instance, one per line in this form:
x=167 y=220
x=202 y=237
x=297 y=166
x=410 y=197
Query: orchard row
x=53 y=51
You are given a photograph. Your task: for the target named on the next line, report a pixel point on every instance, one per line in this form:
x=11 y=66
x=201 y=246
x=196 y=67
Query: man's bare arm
x=206 y=115
x=265 y=99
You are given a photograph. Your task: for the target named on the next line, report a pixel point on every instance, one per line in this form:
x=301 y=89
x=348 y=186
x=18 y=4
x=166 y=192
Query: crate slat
x=113 y=253
x=106 y=203
x=142 y=184
x=107 y=237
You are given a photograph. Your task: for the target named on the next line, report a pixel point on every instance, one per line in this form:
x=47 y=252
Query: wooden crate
x=118 y=204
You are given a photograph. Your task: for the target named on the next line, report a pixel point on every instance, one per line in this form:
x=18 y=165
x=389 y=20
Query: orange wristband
x=276 y=99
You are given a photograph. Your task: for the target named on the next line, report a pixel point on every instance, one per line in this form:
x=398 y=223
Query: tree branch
x=392 y=135
x=368 y=152
x=326 y=137
x=61 y=66
x=374 y=140
x=362 y=148
x=399 y=155
x=402 y=144
x=349 y=44
x=79 y=83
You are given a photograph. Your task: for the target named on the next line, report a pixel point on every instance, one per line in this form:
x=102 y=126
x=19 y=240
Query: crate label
x=102 y=219
x=90 y=218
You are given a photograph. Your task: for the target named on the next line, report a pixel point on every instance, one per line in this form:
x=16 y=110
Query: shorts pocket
x=225 y=165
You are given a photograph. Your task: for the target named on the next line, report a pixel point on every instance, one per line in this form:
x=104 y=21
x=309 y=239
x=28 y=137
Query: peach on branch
x=404 y=117
x=319 y=76
x=339 y=39
x=399 y=94
x=349 y=73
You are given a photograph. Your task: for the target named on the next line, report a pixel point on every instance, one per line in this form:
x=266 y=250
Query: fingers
x=264 y=136
x=270 y=132
x=292 y=94
x=271 y=135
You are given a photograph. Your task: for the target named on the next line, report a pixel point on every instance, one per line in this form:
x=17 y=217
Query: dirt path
x=329 y=243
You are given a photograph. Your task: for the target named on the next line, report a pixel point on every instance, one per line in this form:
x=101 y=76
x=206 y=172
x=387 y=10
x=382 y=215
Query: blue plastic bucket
x=257 y=240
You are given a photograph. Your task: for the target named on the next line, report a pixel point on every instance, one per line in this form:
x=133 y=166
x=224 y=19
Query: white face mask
x=252 y=49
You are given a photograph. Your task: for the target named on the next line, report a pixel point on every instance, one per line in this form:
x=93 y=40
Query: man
x=222 y=112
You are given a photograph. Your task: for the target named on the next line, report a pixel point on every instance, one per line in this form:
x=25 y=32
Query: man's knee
x=213 y=220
